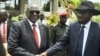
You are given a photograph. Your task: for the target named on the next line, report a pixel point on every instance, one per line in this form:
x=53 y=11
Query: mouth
x=80 y=19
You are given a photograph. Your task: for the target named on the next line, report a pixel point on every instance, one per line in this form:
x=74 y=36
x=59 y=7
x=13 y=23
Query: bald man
x=28 y=37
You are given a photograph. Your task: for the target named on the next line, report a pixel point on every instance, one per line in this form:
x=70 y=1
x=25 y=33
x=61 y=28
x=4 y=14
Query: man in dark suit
x=9 y=23
x=23 y=40
x=4 y=18
x=2 y=50
x=5 y=24
x=83 y=41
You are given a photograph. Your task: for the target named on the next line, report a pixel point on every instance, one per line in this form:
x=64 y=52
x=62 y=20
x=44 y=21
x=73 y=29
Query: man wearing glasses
x=28 y=37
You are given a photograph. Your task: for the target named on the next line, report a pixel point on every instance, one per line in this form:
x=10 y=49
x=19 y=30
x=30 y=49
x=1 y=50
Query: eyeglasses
x=31 y=12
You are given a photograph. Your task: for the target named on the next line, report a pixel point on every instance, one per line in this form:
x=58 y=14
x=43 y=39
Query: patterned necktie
x=80 y=42
x=36 y=36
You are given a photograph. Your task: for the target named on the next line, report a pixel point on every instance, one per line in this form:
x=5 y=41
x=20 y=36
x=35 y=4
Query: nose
x=34 y=13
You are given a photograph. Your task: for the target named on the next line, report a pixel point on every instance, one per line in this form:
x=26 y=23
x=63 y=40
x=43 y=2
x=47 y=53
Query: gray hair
x=33 y=7
x=3 y=10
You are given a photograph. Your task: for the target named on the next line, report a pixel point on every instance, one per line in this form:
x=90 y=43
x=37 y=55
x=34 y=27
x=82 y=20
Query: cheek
x=87 y=17
x=34 y=18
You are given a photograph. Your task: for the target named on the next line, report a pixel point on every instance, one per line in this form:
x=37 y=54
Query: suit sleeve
x=2 y=50
x=60 y=44
x=48 y=37
x=13 y=42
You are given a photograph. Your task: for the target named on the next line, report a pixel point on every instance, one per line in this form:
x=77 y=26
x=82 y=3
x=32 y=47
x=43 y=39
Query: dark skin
x=3 y=15
x=41 y=17
x=83 y=16
x=33 y=15
x=63 y=19
x=20 y=17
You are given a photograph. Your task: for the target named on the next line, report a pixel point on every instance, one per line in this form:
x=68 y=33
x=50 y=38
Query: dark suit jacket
x=21 y=41
x=2 y=50
x=92 y=47
x=9 y=23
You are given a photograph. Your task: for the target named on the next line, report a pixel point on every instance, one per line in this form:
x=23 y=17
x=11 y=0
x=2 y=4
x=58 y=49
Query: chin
x=81 y=22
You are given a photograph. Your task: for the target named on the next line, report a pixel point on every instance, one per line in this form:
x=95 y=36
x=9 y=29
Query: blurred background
x=51 y=8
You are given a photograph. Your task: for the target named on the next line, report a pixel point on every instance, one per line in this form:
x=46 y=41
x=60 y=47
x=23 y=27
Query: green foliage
x=53 y=20
x=15 y=18
x=76 y=3
x=97 y=5
x=71 y=3
x=96 y=19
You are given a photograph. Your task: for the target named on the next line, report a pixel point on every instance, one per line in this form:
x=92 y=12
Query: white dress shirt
x=37 y=29
x=86 y=31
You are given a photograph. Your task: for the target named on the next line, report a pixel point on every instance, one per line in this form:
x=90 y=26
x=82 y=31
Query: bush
x=96 y=19
x=53 y=20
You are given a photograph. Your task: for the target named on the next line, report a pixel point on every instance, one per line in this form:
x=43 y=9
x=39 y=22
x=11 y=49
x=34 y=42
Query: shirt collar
x=32 y=23
x=87 y=25
x=5 y=21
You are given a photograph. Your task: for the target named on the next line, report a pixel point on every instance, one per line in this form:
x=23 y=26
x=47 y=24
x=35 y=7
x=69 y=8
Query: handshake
x=43 y=54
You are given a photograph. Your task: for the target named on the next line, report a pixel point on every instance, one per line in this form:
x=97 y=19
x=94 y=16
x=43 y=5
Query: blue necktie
x=80 y=42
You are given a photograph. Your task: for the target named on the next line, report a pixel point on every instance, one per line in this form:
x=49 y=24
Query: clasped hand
x=42 y=54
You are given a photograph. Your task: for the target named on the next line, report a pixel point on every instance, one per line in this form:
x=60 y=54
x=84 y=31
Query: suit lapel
x=41 y=29
x=29 y=31
x=76 y=32
x=90 y=35
x=9 y=22
x=8 y=25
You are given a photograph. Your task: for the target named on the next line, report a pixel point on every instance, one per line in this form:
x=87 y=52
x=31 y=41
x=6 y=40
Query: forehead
x=63 y=16
x=33 y=7
x=2 y=12
x=20 y=16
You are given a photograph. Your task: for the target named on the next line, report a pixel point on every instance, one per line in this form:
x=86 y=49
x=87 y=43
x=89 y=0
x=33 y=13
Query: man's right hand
x=44 y=54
